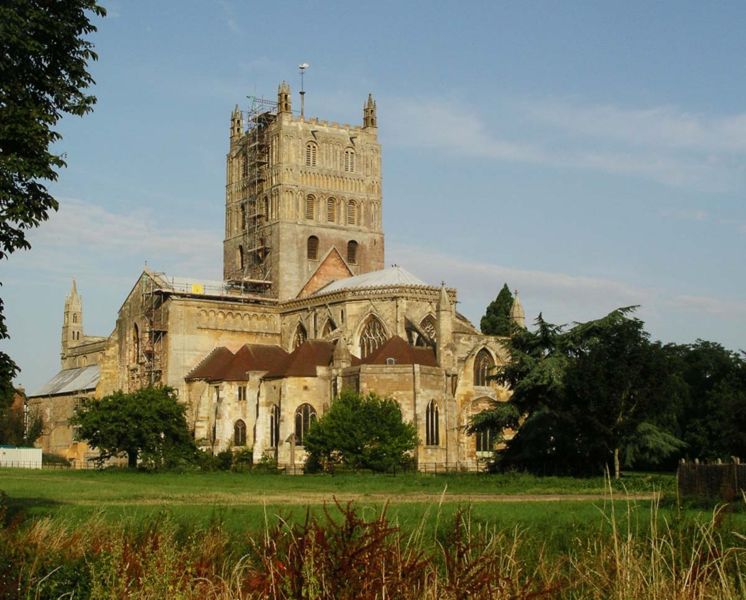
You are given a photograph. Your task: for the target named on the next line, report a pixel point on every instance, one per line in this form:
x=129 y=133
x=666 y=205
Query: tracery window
x=352 y=212
x=311 y=152
x=312 y=248
x=352 y=252
x=274 y=426
x=239 y=433
x=304 y=417
x=301 y=335
x=310 y=207
x=429 y=328
x=349 y=160
x=485 y=440
x=372 y=337
x=483 y=365
x=331 y=210
x=432 y=424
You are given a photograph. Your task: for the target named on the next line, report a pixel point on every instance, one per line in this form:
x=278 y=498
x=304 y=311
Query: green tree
x=43 y=60
x=496 y=320
x=360 y=432
x=18 y=428
x=149 y=425
x=584 y=398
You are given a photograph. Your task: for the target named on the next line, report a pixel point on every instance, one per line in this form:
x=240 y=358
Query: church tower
x=299 y=189
x=72 y=323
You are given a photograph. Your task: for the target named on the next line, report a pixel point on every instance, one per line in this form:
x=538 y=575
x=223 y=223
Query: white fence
x=21 y=458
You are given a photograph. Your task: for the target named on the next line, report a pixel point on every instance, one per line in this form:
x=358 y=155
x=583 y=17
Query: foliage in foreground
x=148 y=424
x=360 y=432
x=43 y=75
x=340 y=555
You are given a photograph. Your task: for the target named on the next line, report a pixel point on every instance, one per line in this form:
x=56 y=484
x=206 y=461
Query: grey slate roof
x=393 y=276
x=69 y=381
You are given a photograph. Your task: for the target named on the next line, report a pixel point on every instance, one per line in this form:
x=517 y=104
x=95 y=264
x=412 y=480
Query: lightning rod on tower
x=302 y=69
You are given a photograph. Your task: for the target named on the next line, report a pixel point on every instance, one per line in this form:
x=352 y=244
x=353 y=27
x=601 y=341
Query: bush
x=243 y=460
x=54 y=460
x=361 y=433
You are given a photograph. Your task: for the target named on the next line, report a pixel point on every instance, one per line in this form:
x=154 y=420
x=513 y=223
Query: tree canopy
x=43 y=75
x=148 y=425
x=360 y=432
x=584 y=398
x=496 y=320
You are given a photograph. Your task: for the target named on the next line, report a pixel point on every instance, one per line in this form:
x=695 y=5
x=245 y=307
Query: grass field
x=540 y=530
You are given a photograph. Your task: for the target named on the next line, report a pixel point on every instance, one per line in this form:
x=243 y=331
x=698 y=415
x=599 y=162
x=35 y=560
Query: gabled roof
x=302 y=361
x=402 y=353
x=391 y=277
x=70 y=381
x=222 y=365
x=331 y=268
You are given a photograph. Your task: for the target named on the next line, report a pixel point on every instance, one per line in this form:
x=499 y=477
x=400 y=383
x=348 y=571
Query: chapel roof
x=223 y=365
x=69 y=381
x=403 y=353
x=393 y=276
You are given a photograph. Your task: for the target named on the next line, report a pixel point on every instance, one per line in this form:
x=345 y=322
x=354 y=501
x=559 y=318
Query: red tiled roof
x=222 y=365
x=403 y=353
x=302 y=361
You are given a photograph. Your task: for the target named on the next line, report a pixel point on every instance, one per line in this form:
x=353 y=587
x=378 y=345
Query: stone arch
x=372 y=335
x=484 y=366
x=329 y=327
x=299 y=336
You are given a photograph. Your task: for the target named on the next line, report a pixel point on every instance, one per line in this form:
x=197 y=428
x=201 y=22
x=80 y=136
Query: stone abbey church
x=306 y=308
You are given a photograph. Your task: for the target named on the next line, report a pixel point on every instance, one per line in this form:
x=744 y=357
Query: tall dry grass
x=340 y=555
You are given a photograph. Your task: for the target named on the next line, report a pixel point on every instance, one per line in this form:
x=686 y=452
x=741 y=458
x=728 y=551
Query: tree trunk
x=616 y=464
x=132 y=459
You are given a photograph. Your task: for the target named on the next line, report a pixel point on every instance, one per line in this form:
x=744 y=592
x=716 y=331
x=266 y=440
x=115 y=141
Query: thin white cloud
x=656 y=144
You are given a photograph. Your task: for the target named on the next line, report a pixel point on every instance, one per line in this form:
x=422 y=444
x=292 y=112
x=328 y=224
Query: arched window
x=349 y=160
x=432 y=424
x=136 y=343
x=75 y=317
x=331 y=210
x=429 y=328
x=301 y=335
x=329 y=327
x=274 y=426
x=352 y=252
x=485 y=441
x=239 y=257
x=483 y=365
x=352 y=212
x=310 y=207
x=312 y=248
x=311 y=152
x=372 y=337
x=239 y=433
x=304 y=417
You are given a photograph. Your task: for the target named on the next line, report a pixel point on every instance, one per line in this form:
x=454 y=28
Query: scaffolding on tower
x=255 y=273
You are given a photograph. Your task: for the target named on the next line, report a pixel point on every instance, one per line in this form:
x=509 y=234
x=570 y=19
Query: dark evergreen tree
x=496 y=320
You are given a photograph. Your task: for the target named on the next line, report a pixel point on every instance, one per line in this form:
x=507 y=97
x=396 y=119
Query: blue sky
x=590 y=154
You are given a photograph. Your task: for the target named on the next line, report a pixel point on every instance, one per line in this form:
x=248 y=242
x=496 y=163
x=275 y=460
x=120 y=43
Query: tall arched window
x=304 y=417
x=312 y=248
x=240 y=257
x=349 y=160
x=311 y=152
x=274 y=426
x=483 y=366
x=301 y=335
x=352 y=212
x=485 y=441
x=372 y=337
x=331 y=210
x=75 y=317
x=352 y=252
x=432 y=424
x=136 y=343
x=239 y=433
x=310 y=207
